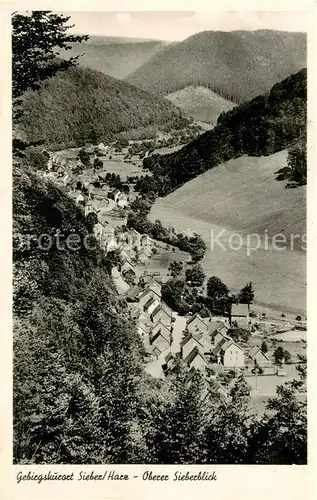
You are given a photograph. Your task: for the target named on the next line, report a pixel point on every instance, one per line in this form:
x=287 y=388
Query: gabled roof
x=166 y=308
x=192 y=355
x=159 y=324
x=255 y=350
x=161 y=332
x=143 y=327
x=195 y=316
x=240 y=310
x=149 y=303
x=99 y=192
x=216 y=325
x=168 y=357
x=220 y=345
x=189 y=337
x=133 y=293
x=149 y=290
x=162 y=306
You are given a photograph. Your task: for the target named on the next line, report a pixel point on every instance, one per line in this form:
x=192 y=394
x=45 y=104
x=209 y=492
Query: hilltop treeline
x=239 y=65
x=81 y=105
x=263 y=126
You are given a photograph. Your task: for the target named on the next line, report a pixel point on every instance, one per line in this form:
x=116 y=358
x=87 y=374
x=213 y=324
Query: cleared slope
x=238 y=65
x=201 y=103
x=81 y=105
x=242 y=196
x=114 y=57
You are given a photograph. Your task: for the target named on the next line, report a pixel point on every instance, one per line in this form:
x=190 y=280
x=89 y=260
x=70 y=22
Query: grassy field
x=243 y=196
x=118 y=166
x=201 y=103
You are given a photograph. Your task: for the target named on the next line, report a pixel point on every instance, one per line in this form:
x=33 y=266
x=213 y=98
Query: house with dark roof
x=160 y=338
x=162 y=313
x=194 y=340
x=148 y=293
x=132 y=295
x=150 y=305
x=239 y=315
x=259 y=358
x=196 y=359
x=195 y=324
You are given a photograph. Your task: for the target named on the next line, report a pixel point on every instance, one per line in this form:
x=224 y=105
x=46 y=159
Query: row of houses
x=206 y=343
x=155 y=318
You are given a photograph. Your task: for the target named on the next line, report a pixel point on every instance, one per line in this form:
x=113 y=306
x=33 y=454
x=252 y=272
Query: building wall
x=198 y=363
x=189 y=346
x=233 y=357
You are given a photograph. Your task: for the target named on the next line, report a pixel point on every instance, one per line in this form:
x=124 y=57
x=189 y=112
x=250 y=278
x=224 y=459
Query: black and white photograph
x=159 y=180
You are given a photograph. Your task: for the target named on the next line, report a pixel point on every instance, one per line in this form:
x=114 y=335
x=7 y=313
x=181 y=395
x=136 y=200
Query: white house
x=229 y=354
x=122 y=200
x=195 y=324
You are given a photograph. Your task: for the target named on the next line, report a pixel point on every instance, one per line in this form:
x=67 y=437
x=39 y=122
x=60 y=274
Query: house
x=259 y=358
x=193 y=341
x=99 y=194
x=132 y=295
x=214 y=325
x=163 y=313
x=99 y=230
x=159 y=326
x=240 y=315
x=110 y=244
x=169 y=363
x=147 y=294
x=88 y=172
x=122 y=200
x=196 y=359
x=150 y=305
x=124 y=254
x=115 y=194
x=144 y=255
x=127 y=266
x=91 y=207
x=155 y=286
x=195 y=324
x=216 y=337
x=146 y=241
x=143 y=330
x=229 y=354
x=77 y=197
x=160 y=338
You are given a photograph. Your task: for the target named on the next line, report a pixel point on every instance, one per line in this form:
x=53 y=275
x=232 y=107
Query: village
x=200 y=343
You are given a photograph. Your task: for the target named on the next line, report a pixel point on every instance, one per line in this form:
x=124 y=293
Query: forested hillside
x=263 y=126
x=77 y=357
x=113 y=57
x=238 y=65
x=81 y=105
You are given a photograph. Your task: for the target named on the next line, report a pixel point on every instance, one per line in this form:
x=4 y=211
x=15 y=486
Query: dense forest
x=80 y=392
x=114 y=57
x=262 y=126
x=81 y=105
x=238 y=65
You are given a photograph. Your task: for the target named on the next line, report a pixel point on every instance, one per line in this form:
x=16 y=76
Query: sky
x=180 y=25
